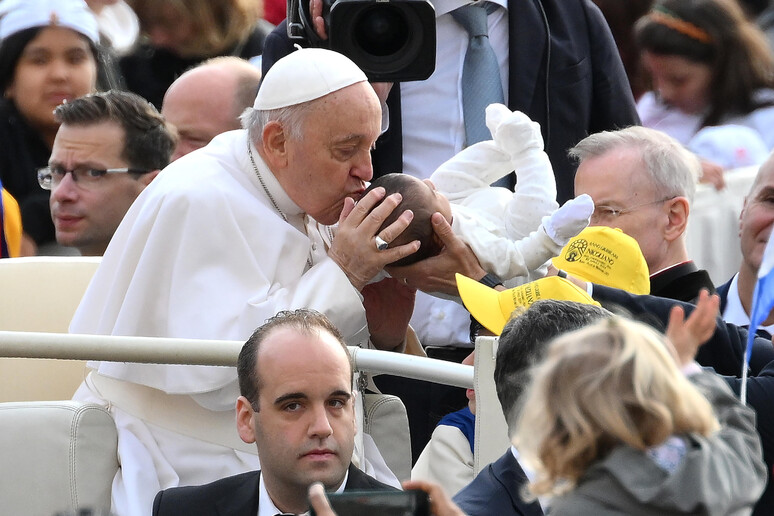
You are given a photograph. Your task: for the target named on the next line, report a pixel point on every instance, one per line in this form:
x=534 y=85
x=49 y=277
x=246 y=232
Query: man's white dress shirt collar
x=734 y=312
x=266 y=506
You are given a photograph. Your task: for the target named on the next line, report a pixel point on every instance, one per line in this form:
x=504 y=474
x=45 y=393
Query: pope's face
x=332 y=159
x=304 y=427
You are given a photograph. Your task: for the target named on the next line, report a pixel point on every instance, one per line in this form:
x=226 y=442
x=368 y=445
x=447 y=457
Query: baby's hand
x=513 y=132
x=569 y=220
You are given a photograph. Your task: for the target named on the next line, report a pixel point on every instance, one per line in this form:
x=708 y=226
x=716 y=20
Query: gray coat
x=720 y=475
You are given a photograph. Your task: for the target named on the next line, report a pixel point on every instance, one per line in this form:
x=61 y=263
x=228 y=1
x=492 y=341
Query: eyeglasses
x=50 y=177
x=603 y=213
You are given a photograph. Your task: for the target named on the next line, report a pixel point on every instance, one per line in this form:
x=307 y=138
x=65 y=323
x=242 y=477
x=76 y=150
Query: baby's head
x=423 y=200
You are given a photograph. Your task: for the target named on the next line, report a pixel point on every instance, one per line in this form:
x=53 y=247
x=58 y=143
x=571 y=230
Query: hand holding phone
x=439 y=502
x=412 y=502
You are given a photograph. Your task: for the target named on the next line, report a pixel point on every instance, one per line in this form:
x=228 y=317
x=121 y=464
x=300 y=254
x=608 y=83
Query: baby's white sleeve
x=470 y=170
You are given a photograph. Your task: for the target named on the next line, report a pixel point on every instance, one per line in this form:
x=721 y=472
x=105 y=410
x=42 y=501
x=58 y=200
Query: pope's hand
x=355 y=250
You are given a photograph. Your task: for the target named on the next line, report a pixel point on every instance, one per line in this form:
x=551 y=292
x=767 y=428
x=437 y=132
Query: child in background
x=619 y=421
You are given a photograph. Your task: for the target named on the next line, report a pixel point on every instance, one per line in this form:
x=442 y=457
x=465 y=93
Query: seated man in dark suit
x=297 y=405
x=755 y=227
x=496 y=489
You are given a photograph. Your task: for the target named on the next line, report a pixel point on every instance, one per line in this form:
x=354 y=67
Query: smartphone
x=412 y=502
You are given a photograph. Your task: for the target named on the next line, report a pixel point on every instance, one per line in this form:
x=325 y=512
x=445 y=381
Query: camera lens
x=390 y=40
x=381 y=30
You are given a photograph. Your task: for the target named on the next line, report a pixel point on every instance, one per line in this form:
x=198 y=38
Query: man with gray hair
x=222 y=240
x=643 y=181
x=497 y=488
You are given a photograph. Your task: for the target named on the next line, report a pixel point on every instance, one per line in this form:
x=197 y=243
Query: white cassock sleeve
x=202 y=253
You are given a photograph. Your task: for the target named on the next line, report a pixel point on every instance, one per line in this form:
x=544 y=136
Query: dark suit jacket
x=234 y=496
x=722 y=292
x=495 y=490
x=682 y=282
x=725 y=350
x=760 y=396
x=564 y=72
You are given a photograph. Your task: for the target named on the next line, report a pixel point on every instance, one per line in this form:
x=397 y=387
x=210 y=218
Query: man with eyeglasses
x=643 y=181
x=108 y=148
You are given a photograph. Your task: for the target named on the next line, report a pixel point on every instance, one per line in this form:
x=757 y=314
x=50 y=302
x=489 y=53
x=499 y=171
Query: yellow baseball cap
x=606 y=256
x=493 y=308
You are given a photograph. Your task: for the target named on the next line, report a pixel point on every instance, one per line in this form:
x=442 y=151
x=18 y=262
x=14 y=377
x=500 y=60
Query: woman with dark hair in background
x=710 y=66
x=180 y=34
x=48 y=55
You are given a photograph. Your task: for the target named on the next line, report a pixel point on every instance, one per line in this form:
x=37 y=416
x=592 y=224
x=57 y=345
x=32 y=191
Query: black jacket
x=682 y=282
x=760 y=396
x=148 y=71
x=722 y=292
x=564 y=72
x=495 y=490
x=234 y=496
x=22 y=153
x=724 y=351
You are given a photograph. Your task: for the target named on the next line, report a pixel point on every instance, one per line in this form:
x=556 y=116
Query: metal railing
x=157 y=350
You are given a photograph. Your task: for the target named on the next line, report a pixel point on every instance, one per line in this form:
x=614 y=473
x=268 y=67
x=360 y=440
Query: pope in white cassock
x=223 y=239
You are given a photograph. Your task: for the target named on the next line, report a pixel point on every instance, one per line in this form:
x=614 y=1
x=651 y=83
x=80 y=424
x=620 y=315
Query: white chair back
x=491 y=435
x=41 y=294
x=59 y=456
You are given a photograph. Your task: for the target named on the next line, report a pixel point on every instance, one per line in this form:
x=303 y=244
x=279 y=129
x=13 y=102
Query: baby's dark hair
x=414 y=199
